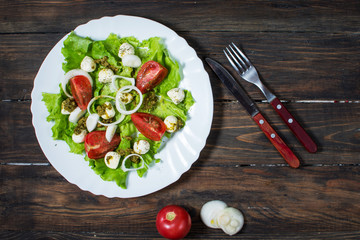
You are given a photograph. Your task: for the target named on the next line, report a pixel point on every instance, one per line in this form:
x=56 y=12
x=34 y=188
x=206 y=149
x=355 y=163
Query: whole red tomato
x=96 y=145
x=81 y=90
x=150 y=75
x=173 y=222
x=149 y=125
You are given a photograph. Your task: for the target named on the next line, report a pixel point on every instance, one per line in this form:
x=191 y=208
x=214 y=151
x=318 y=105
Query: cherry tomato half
x=149 y=125
x=150 y=75
x=81 y=90
x=173 y=222
x=96 y=145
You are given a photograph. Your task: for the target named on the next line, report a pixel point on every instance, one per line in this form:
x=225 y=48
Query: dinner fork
x=248 y=72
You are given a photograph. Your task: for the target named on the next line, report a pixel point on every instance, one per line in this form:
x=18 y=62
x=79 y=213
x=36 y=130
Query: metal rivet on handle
x=261 y=121
x=272 y=135
x=290 y=120
x=278 y=106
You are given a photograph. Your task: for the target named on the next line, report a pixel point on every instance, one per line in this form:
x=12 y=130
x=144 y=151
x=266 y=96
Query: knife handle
x=275 y=139
x=294 y=126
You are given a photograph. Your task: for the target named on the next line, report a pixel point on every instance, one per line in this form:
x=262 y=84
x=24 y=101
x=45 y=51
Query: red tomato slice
x=173 y=222
x=81 y=90
x=96 y=145
x=150 y=75
x=149 y=125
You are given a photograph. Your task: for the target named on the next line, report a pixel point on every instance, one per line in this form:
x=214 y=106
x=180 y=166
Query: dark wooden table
x=308 y=53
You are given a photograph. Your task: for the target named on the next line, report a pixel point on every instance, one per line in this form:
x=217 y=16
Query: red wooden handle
x=275 y=139
x=294 y=126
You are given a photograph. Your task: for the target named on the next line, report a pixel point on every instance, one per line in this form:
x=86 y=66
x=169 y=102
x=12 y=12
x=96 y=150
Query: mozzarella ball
x=88 y=64
x=171 y=123
x=112 y=159
x=230 y=220
x=176 y=95
x=67 y=106
x=126 y=49
x=109 y=111
x=63 y=110
x=131 y=61
x=105 y=75
x=216 y=214
x=125 y=97
x=79 y=138
x=141 y=146
x=210 y=211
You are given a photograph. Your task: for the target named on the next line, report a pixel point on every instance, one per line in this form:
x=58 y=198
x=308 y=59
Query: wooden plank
x=246 y=16
x=334 y=127
x=18 y=141
x=10 y=235
x=20 y=60
x=303 y=50
x=321 y=66
x=273 y=200
x=234 y=137
x=295 y=66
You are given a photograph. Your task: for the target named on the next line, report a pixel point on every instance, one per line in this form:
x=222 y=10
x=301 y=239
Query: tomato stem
x=170 y=216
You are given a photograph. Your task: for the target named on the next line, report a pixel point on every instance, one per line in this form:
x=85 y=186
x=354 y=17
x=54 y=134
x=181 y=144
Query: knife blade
x=233 y=86
x=250 y=106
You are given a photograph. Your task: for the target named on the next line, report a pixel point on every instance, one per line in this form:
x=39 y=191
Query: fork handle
x=276 y=140
x=294 y=126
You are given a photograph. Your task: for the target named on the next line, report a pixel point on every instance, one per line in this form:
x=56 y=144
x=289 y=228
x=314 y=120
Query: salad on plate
x=118 y=102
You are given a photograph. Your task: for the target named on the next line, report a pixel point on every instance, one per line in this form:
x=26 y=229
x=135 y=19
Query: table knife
x=248 y=72
x=228 y=80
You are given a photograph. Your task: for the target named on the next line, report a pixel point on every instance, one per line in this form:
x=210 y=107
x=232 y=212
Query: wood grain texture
x=234 y=134
x=273 y=200
x=10 y=235
x=18 y=141
x=240 y=16
x=322 y=66
x=303 y=50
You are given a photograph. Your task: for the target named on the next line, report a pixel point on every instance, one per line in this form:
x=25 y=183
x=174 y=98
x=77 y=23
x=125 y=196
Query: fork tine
x=238 y=67
x=237 y=58
x=242 y=55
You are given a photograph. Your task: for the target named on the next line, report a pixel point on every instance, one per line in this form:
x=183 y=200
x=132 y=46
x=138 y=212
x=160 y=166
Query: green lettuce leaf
x=166 y=107
x=128 y=129
x=159 y=53
x=74 y=50
x=62 y=129
x=99 y=50
x=108 y=174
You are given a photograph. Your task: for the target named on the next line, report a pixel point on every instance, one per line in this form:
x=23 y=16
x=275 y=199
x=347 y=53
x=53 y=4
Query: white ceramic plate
x=180 y=152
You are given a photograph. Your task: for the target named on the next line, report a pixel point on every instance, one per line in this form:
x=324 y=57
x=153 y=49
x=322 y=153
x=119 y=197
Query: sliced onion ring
x=123 y=167
x=104 y=124
x=113 y=81
x=117 y=100
x=69 y=75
